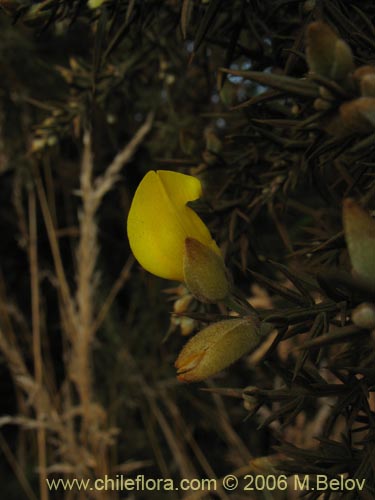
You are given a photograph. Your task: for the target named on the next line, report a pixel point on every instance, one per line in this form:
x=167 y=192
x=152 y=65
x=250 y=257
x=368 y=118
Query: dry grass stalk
x=18 y=471
x=37 y=348
x=87 y=253
x=92 y=193
x=105 y=183
x=119 y=283
x=183 y=429
x=87 y=451
x=17 y=366
x=68 y=309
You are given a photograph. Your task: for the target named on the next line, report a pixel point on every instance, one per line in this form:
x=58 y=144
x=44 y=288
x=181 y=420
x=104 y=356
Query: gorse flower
x=159 y=222
x=170 y=240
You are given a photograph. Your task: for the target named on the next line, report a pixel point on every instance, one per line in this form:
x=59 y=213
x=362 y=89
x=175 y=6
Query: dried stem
x=92 y=192
x=18 y=472
x=37 y=349
x=123 y=277
x=68 y=305
x=104 y=183
x=86 y=259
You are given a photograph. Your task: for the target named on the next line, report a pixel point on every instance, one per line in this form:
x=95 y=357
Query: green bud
x=216 y=347
x=354 y=117
x=250 y=401
x=95 y=4
x=364 y=315
x=326 y=53
x=213 y=143
x=228 y=93
x=187 y=142
x=359 y=115
x=364 y=77
x=205 y=274
x=359 y=229
x=342 y=61
x=322 y=104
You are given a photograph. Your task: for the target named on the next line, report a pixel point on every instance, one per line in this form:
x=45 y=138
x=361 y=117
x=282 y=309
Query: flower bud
x=216 y=347
x=354 y=117
x=326 y=94
x=368 y=85
x=343 y=61
x=182 y=303
x=213 y=143
x=322 y=104
x=364 y=315
x=209 y=158
x=364 y=76
x=187 y=325
x=205 y=274
x=95 y=4
x=326 y=53
x=188 y=143
x=229 y=93
x=250 y=401
x=359 y=115
x=359 y=229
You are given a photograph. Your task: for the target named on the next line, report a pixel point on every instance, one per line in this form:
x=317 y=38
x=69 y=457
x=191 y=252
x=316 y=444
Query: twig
x=86 y=261
x=69 y=309
x=123 y=277
x=104 y=183
x=92 y=192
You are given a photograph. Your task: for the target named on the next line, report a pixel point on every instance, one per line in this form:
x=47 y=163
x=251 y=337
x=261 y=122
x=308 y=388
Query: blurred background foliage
x=274 y=180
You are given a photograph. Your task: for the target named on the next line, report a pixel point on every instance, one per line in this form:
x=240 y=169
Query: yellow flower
x=159 y=223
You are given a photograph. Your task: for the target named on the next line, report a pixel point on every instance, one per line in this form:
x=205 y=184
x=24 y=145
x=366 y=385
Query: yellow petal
x=159 y=221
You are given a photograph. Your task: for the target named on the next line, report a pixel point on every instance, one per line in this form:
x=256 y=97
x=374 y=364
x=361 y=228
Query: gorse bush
x=235 y=141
